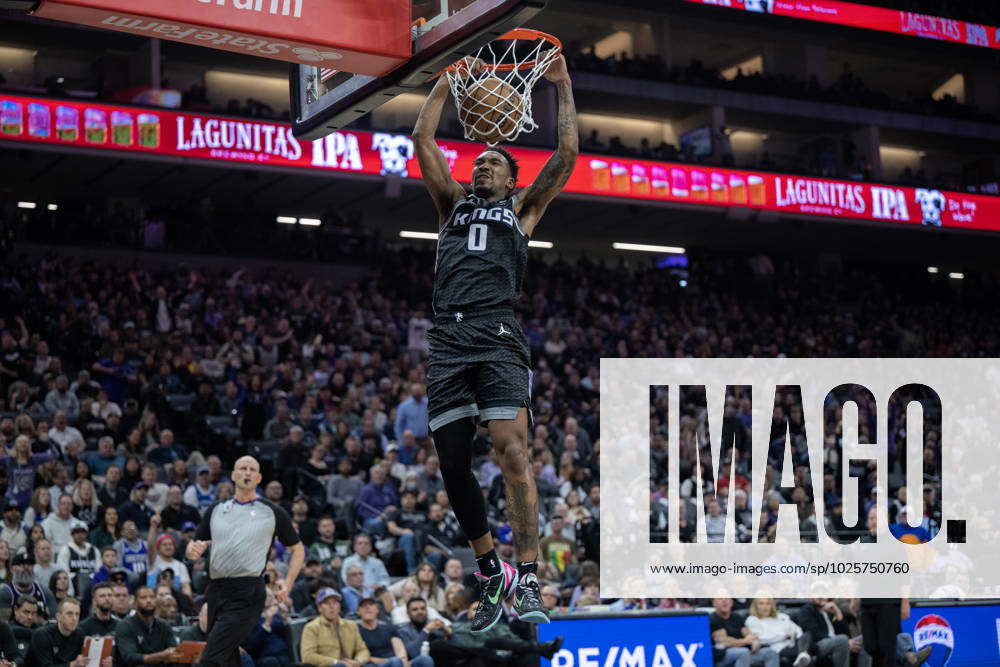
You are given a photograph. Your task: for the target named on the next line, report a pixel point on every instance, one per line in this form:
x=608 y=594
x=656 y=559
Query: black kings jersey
x=481 y=255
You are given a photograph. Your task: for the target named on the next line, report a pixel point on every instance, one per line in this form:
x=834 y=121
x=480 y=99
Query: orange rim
x=517 y=33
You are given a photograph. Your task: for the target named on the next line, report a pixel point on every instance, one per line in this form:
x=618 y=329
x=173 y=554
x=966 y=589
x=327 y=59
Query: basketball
x=491 y=109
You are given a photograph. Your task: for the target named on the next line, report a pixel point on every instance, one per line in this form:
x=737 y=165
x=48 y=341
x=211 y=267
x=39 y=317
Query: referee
x=240 y=532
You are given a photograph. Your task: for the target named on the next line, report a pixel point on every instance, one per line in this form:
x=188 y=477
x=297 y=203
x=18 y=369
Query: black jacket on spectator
x=254 y=412
x=95 y=627
x=141 y=514
x=173 y=519
x=441 y=532
x=116 y=498
x=22 y=635
x=9 y=649
x=810 y=619
x=307 y=531
x=289 y=460
x=300 y=596
x=128 y=647
x=50 y=648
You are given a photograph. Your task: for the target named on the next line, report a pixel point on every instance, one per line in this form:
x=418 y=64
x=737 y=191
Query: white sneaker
x=802 y=659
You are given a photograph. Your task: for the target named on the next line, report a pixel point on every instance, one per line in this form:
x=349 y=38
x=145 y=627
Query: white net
x=492 y=89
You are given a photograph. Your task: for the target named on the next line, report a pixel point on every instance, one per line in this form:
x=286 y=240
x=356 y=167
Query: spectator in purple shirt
x=21 y=468
x=115 y=374
x=375 y=499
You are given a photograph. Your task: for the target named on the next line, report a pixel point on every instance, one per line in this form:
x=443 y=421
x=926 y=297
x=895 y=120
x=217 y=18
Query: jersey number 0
x=477 y=237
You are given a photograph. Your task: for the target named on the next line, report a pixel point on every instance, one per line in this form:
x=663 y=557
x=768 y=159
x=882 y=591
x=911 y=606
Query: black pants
x=446 y=653
x=234 y=607
x=880 y=623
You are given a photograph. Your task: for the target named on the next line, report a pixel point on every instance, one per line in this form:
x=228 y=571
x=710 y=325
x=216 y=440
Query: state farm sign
x=273 y=7
x=360 y=36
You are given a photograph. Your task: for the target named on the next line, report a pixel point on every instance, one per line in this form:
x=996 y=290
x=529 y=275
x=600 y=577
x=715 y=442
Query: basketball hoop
x=492 y=89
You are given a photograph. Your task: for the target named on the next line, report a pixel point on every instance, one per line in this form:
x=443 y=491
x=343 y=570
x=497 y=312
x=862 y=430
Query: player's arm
x=294 y=567
x=285 y=531
x=551 y=180
x=444 y=189
x=154 y=527
x=202 y=538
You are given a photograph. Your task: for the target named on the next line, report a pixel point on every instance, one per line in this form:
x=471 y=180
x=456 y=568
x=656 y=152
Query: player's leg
x=452 y=411
x=453 y=442
x=510 y=441
x=234 y=606
x=503 y=394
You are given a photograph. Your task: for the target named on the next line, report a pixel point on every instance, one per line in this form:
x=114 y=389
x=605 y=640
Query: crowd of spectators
x=127 y=394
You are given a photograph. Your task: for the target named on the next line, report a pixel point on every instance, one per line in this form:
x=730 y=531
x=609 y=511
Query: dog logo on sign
x=932 y=204
x=760 y=6
x=395 y=151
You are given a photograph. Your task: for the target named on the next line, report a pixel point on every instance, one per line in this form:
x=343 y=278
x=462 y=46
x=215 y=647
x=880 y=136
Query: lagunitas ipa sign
x=799 y=477
x=359 y=36
x=860 y=15
x=220 y=138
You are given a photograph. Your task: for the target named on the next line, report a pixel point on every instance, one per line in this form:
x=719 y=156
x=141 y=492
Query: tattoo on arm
x=553 y=176
x=569 y=137
x=559 y=166
x=523 y=514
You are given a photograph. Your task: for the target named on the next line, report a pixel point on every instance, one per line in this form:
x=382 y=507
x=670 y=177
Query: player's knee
x=456 y=468
x=512 y=455
x=453 y=442
x=513 y=440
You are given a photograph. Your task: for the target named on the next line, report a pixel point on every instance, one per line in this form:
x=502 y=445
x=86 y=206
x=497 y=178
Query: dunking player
x=479 y=362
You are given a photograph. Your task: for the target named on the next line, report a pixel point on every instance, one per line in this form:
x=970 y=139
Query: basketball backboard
x=325 y=99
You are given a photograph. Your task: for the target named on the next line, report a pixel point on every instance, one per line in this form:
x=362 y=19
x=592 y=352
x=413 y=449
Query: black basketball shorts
x=479 y=366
